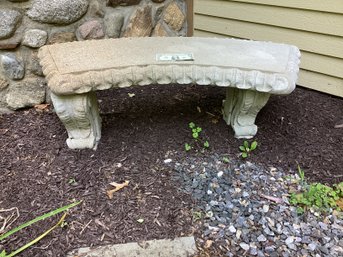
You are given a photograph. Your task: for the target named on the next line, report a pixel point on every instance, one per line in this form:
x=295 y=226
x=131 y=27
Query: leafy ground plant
x=42 y=217
x=317 y=195
x=198 y=140
x=246 y=149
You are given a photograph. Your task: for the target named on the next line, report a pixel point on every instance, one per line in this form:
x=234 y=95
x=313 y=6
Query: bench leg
x=240 y=109
x=80 y=116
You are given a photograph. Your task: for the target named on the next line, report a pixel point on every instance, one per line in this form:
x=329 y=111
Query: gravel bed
x=243 y=209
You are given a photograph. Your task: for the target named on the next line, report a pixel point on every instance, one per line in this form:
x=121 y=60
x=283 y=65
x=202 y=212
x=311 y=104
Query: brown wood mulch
x=38 y=173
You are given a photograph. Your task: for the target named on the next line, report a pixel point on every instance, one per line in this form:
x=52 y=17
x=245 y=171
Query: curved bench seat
x=250 y=70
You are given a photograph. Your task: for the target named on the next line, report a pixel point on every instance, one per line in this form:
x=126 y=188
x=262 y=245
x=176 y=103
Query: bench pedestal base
x=80 y=115
x=240 y=109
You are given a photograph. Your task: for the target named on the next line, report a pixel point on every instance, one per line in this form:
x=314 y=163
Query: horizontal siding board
x=321 y=82
x=313 y=25
x=322 y=64
x=313 y=21
x=307 y=41
x=334 y=6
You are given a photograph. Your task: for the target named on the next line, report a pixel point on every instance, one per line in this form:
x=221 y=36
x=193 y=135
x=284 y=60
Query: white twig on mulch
x=7 y=220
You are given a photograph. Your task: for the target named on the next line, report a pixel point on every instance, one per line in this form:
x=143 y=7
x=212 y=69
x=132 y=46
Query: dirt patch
x=38 y=173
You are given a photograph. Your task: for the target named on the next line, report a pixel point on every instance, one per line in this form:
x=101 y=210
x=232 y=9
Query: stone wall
x=26 y=25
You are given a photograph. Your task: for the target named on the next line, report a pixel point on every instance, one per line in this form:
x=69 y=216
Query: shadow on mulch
x=38 y=173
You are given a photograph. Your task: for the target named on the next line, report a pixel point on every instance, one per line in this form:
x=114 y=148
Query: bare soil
x=39 y=173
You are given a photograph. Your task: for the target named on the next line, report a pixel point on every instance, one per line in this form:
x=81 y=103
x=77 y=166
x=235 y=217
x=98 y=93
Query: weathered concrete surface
x=179 y=247
x=261 y=66
x=250 y=70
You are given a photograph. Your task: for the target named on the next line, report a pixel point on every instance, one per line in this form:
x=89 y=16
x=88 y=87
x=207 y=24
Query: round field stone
x=58 y=11
x=9 y=20
x=35 y=38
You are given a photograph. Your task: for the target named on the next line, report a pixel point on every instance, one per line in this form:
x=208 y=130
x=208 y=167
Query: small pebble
x=312 y=246
x=244 y=246
x=167 y=160
x=239 y=221
x=289 y=240
x=220 y=174
x=265 y=208
x=232 y=229
x=261 y=238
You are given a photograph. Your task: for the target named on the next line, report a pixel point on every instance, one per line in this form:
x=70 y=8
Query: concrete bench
x=251 y=71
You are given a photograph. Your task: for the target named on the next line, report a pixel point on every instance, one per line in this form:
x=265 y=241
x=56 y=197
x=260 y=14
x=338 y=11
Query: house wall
x=315 y=26
x=26 y=25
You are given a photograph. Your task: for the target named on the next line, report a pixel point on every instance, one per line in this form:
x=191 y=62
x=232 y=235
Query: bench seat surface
x=80 y=67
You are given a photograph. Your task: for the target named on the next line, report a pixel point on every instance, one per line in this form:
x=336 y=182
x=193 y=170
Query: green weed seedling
x=42 y=217
x=197 y=215
x=317 y=195
x=226 y=159
x=198 y=141
x=246 y=149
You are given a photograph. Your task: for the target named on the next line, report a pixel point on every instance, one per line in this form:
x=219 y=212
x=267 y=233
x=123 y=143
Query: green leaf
x=206 y=144
x=242 y=148
x=195 y=135
x=244 y=155
x=199 y=129
x=300 y=210
x=38 y=238
x=253 y=145
x=226 y=160
x=191 y=125
x=42 y=217
x=246 y=144
x=3 y=254
x=187 y=147
x=301 y=173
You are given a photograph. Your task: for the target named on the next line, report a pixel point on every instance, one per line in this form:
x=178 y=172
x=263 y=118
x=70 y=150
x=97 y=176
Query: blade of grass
x=38 y=238
x=42 y=217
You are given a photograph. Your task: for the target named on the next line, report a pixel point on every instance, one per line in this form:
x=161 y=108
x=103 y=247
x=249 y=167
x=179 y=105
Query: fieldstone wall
x=26 y=25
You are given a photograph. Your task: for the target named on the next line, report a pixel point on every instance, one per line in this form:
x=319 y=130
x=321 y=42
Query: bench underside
x=81 y=118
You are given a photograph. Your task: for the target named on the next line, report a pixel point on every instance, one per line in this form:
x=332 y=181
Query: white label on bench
x=174 y=57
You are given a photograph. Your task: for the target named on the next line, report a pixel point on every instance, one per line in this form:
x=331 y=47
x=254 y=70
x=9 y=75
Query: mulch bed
x=39 y=173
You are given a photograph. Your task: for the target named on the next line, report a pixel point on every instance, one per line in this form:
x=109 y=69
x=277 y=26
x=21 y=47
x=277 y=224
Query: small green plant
x=317 y=195
x=42 y=217
x=197 y=215
x=197 y=138
x=246 y=149
x=301 y=175
x=226 y=159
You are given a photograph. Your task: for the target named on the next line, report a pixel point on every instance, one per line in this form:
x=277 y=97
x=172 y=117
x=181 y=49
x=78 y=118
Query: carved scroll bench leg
x=240 y=109
x=80 y=116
